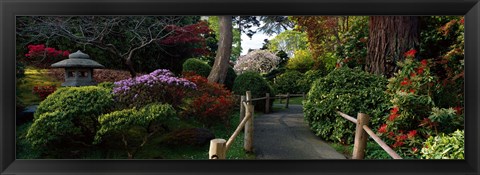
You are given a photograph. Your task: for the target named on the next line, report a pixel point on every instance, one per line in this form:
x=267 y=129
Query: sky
x=255 y=43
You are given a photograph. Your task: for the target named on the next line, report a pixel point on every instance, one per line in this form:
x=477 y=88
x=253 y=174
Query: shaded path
x=284 y=135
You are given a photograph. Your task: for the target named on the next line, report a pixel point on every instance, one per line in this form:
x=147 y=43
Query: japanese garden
x=167 y=87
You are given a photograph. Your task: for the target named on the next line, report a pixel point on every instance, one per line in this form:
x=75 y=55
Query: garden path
x=285 y=135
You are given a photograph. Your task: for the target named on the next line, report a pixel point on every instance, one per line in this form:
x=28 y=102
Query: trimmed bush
x=445 y=146
x=197 y=66
x=309 y=77
x=289 y=82
x=254 y=82
x=350 y=91
x=69 y=114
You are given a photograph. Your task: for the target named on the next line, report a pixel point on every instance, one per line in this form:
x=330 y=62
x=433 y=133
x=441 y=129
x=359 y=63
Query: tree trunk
x=220 y=66
x=389 y=38
x=129 y=64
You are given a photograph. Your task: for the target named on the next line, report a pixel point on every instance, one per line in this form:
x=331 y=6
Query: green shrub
x=254 y=82
x=197 y=66
x=135 y=126
x=289 y=82
x=69 y=113
x=445 y=147
x=309 y=77
x=230 y=79
x=302 y=62
x=350 y=91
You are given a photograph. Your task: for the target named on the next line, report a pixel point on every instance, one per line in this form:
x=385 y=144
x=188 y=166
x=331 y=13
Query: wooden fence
x=219 y=147
x=361 y=136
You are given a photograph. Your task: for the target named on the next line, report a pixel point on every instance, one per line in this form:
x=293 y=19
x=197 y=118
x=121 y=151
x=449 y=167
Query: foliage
x=353 y=51
x=211 y=102
x=20 y=70
x=69 y=114
x=260 y=61
x=44 y=91
x=302 y=61
x=289 y=82
x=350 y=91
x=230 y=79
x=159 y=86
x=445 y=146
x=414 y=116
x=188 y=34
x=134 y=125
x=256 y=84
x=288 y=41
x=308 y=78
x=42 y=57
x=196 y=66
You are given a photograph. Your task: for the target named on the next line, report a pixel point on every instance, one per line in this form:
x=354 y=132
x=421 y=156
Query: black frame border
x=11 y=8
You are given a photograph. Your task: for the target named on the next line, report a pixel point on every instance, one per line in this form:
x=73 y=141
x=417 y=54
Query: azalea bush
x=350 y=91
x=260 y=61
x=211 y=102
x=44 y=91
x=41 y=56
x=413 y=115
x=159 y=86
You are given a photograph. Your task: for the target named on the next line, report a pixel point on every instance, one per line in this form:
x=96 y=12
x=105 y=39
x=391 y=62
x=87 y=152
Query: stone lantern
x=78 y=69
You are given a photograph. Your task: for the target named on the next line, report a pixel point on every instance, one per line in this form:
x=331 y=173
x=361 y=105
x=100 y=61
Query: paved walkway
x=285 y=135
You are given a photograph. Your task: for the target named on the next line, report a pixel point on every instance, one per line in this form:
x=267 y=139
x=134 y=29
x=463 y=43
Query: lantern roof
x=77 y=60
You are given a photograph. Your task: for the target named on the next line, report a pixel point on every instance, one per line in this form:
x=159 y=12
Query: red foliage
x=99 y=75
x=212 y=103
x=41 y=56
x=44 y=91
x=411 y=53
x=189 y=34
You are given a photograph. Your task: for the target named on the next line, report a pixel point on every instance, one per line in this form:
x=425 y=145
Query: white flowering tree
x=261 y=61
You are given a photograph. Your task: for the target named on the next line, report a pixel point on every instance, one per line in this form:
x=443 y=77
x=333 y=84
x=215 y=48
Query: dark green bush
x=309 y=77
x=197 y=66
x=289 y=82
x=254 y=82
x=350 y=91
x=69 y=114
x=230 y=79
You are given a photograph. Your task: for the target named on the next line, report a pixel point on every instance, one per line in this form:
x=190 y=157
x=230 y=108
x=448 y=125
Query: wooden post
x=242 y=107
x=248 y=137
x=360 y=137
x=288 y=99
x=217 y=149
x=267 y=103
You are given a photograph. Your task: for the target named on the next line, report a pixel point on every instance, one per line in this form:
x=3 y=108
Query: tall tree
x=220 y=66
x=389 y=38
x=275 y=24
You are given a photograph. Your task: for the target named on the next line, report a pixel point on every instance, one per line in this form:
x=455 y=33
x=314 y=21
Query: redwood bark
x=389 y=38
x=220 y=66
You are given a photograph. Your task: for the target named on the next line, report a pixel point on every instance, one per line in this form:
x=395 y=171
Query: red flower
x=424 y=62
x=458 y=109
x=414 y=149
x=462 y=21
x=391 y=134
x=383 y=128
x=412 y=91
x=412 y=133
x=392 y=117
x=401 y=138
x=397 y=144
x=411 y=53
x=420 y=70
x=405 y=82
x=394 y=110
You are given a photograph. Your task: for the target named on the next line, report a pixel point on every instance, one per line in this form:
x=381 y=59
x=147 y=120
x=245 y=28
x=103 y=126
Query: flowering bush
x=211 y=102
x=159 y=86
x=260 y=61
x=44 y=91
x=43 y=57
x=413 y=116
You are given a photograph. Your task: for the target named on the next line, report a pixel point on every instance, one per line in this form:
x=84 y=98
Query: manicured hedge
x=254 y=82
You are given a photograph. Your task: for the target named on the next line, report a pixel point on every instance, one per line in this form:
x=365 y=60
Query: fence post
x=267 y=103
x=217 y=149
x=248 y=137
x=360 y=137
x=242 y=107
x=288 y=100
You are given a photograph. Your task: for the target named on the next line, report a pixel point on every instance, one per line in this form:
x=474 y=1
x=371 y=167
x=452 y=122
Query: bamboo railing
x=362 y=132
